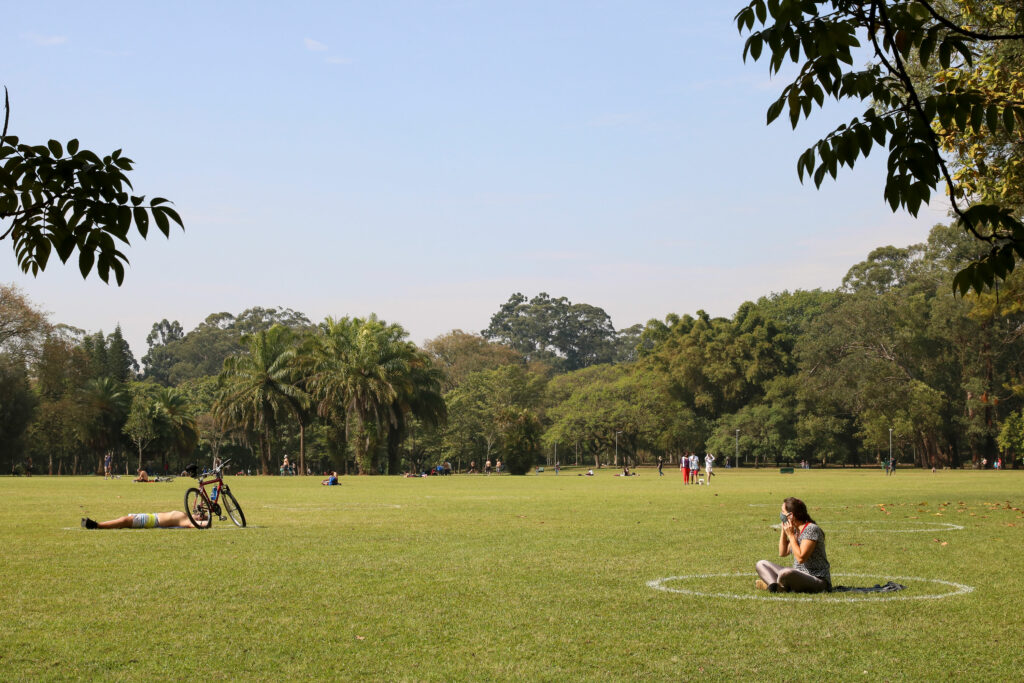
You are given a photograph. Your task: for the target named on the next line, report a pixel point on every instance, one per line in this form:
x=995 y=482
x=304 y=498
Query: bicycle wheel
x=232 y=507
x=197 y=509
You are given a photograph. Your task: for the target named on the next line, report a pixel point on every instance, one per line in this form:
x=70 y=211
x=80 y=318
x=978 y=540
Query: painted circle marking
x=959 y=589
x=933 y=526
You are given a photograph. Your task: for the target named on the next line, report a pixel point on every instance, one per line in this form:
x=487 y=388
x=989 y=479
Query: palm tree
x=421 y=400
x=357 y=372
x=102 y=408
x=176 y=424
x=261 y=387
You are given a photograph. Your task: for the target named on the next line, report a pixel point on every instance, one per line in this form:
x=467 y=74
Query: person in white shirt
x=709 y=463
x=694 y=467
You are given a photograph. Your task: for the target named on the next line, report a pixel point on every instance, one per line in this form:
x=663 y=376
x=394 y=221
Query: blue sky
x=425 y=160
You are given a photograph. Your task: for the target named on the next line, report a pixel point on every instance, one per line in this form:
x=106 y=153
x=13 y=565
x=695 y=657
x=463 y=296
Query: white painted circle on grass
x=958 y=589
x=926 y=526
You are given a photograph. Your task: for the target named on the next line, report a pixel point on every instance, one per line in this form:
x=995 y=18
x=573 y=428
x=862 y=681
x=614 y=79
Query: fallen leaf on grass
x=360 y=637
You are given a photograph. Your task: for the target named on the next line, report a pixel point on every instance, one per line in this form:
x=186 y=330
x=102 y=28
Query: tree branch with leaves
x=63 y=199
x=909 y=120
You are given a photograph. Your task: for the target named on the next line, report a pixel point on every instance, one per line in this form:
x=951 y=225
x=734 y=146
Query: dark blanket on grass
x=877 y=588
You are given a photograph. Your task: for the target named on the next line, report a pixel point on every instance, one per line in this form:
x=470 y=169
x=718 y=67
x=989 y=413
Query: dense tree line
x=824 y=376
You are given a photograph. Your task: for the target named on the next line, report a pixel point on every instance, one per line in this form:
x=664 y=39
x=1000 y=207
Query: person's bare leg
x=119 y=523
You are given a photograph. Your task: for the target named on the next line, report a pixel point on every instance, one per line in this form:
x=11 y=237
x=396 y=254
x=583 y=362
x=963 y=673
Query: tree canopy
x=965 y=102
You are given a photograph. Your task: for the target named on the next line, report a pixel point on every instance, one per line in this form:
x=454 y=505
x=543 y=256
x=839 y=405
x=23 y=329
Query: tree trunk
x=265 y=452
x=302 y=449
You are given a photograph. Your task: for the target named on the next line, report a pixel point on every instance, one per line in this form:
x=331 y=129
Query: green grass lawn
x=497 y=578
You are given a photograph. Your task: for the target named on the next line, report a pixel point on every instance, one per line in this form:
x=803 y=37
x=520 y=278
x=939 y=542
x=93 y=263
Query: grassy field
x=498 y=578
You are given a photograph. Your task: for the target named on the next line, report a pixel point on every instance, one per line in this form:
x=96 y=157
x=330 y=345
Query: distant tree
x=23 y=328
x=556 y=331
x=175 y=424
x=174 y=358
x=459 y=353
x=259 y=388
x=359 y=372
x=103 y=405
x=140 y=425
x=17 y=408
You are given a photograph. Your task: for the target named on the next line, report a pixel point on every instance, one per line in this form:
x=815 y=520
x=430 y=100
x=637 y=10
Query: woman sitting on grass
x=164 y=520
x=806 y=541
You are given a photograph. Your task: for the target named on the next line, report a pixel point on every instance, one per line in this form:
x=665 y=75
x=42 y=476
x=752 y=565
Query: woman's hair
x=798 y=509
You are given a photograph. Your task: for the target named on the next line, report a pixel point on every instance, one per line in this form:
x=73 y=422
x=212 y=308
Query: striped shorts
x=142 y=520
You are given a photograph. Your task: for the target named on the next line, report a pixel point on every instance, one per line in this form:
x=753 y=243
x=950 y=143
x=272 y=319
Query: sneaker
x=760 y=585
x=88 y=523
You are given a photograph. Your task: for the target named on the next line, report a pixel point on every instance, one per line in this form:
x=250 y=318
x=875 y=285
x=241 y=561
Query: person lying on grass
x=175 y=519
x=802 y=537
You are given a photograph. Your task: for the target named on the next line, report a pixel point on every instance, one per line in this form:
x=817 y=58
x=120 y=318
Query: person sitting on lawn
x=143 y=477
x=331 y=480
x=175 y=519
x=801 y=536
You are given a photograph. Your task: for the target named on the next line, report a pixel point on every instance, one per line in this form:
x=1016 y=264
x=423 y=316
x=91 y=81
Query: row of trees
x=815 y=375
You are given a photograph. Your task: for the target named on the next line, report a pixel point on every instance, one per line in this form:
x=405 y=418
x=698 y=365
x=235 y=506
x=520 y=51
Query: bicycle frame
x=212 y=497
x=218 y=480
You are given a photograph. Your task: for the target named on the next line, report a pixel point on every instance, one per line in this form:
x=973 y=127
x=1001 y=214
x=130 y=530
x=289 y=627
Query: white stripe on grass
x=959 y=589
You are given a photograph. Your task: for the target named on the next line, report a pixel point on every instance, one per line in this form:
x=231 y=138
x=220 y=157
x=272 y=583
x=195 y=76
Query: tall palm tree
x=260 y=388
x=176 y=422
x=357 y=371
x=102 y=408
x=421 y=400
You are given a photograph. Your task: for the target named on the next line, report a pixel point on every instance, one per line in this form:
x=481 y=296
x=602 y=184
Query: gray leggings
x=789 y=578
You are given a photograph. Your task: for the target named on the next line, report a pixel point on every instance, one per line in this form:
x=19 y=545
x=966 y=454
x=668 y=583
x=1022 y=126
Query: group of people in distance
x=689 y=467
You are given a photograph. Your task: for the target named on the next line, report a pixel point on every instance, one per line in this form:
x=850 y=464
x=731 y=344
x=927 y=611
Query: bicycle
x=201 y=506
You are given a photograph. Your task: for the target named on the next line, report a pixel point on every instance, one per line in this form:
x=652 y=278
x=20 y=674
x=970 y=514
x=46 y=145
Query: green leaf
x=55 y=149
x=773 y=111
x=73 y=147
x=161 y=220
x=1008 y=120
x=85 y=261
x=977 y=117
x=173 y=215
x=141 y=221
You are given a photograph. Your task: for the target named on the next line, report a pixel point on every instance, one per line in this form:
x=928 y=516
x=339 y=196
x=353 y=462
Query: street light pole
x=737 y=448
x=890 y=446
x=617 y=448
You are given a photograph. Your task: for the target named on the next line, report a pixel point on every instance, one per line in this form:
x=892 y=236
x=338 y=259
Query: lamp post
x=737 y=448
x=890 y=449
x=617 y=448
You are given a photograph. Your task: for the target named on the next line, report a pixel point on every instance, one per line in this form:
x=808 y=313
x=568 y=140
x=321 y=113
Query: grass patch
x=490 y=578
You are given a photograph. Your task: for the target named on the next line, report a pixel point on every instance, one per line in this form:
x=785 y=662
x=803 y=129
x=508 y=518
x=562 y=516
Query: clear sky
x=425 y=160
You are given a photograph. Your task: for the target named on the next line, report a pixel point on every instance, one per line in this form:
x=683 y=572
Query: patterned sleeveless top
x=817 y=564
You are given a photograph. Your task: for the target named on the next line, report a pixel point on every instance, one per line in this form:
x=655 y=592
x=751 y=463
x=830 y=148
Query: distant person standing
x=709 y=464
x=684 y=467
x=487 y=467
x=107 y=473
x=661 y=463
x=892 y=466
x=497 y=467
x=694 y=467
